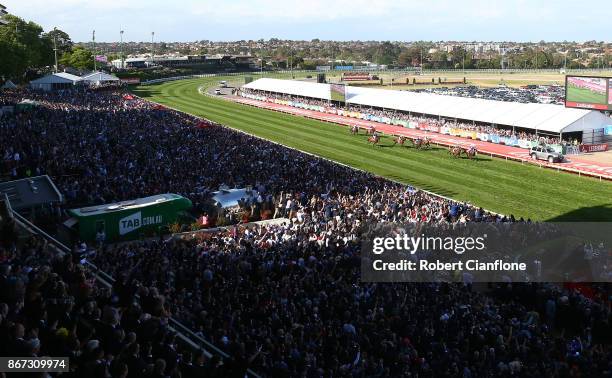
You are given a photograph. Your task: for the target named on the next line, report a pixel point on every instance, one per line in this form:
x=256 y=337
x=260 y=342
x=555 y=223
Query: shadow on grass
x=424 y=186
x=600 y=213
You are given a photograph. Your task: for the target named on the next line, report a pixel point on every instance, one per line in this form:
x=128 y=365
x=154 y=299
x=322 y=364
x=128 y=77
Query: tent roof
x=9 y=85
x=542 y=117
x=57 y=78
x=99 y=76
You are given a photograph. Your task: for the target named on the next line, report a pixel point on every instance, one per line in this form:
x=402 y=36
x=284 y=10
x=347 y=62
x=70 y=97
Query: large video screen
x=338 y=92
x=588 y=92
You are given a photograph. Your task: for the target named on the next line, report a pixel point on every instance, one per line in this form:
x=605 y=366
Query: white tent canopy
x=55 y=81
x=541 y=117
x=100 y=77
x=9 y=85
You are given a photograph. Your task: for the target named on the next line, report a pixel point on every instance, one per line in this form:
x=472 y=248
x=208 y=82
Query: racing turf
x=495 y=184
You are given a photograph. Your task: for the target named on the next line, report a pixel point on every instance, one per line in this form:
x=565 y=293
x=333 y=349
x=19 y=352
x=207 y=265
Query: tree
x=62 y=40
x=22 y=46
x=404 y=59
x=79 y=58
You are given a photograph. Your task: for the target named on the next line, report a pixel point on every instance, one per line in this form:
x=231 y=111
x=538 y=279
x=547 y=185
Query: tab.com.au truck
x=128 y=220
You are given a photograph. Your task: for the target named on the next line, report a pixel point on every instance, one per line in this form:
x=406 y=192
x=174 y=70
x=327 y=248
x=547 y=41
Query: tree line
x=26 y=50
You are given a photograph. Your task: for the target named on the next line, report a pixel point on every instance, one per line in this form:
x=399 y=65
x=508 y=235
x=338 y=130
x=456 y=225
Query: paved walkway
x=573 y=163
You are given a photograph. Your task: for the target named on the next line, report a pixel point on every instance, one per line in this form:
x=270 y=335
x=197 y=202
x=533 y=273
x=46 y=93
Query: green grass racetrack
x=576 y=94
x=495 y=184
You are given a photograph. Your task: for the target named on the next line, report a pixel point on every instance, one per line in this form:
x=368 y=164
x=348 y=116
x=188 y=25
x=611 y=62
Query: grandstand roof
x=541 y=117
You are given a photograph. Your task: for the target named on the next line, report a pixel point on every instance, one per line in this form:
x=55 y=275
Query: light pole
x=93 y=38
x=121 y=47
x=152 y=48
x=55 y=48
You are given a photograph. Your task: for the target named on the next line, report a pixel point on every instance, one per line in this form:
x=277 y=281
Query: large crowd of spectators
x=433 y=121
x=284 y=299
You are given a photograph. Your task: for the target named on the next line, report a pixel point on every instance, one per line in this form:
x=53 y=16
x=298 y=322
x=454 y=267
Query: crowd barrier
x=468 y=134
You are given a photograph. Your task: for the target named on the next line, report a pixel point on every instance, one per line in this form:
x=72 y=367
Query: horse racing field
x=502 y=186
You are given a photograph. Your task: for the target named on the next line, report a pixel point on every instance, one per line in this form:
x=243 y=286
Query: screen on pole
x=338 y=92
x=588 y=92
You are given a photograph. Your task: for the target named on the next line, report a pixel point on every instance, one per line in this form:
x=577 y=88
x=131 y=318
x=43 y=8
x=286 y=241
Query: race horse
x=374 y=139
x=421 y=143
x=400 y=139
x=371 y=130
x=456 y=151
x=471 y=152
x=354 y=130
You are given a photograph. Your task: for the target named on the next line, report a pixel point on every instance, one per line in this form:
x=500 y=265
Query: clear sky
x=396 y=20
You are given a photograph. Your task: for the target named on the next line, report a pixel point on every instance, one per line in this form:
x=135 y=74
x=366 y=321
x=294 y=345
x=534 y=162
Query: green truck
x=128 y=220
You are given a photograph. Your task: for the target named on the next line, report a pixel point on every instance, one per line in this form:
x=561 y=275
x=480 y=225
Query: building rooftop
x=31 y=192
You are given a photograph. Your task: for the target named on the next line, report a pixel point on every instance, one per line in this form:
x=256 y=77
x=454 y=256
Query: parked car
x=546 y=153
x=217 y=91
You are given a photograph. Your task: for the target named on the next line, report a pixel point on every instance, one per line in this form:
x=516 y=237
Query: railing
x=183 y=333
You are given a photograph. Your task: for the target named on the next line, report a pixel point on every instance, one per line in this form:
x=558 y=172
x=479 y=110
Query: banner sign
x=594 y=147
x=494 y=138
x=345 y=68
x=323 y=68
x=131 y=80
x=608 y=130
x=524 y=143
x=428 y=127
x=482 y=136
x=101 y=58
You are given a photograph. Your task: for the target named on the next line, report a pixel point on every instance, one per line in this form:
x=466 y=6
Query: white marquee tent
x=540 y=117
x=60 y=80
x=8 y=85
x=98 y=78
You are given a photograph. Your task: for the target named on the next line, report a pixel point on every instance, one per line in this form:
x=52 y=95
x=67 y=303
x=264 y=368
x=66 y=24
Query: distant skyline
x=230 y=20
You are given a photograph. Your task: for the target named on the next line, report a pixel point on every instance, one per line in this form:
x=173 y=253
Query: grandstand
x=540 y=118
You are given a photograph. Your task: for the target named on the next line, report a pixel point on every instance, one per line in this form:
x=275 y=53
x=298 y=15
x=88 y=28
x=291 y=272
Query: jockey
x=472 y=147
